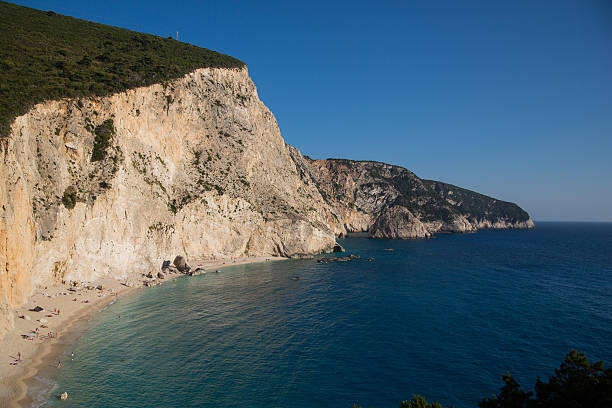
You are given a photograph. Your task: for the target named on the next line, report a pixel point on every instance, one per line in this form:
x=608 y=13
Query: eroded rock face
x=391 y=202
x=112 y=186
x=398 y=222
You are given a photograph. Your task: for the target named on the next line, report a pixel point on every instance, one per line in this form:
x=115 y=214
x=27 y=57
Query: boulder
x=37 y=309
x=150 y=275
x=338 y=248
x=181 y=264
x=161 y=275
x=99 y=287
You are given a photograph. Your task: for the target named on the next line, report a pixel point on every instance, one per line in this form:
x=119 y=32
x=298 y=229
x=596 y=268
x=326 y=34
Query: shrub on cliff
x=102 y=138
x=69 y=198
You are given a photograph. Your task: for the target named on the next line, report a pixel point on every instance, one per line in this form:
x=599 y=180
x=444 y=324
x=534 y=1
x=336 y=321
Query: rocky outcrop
x=391 y=202
x=482 y=212
x=398 y=222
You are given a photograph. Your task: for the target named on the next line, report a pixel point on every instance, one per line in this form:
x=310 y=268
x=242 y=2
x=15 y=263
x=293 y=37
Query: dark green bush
x=102 y=137
x=69 y=198
x=419 y=402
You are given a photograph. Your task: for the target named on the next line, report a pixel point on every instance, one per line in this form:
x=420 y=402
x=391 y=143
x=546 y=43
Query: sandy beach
x=40 y=336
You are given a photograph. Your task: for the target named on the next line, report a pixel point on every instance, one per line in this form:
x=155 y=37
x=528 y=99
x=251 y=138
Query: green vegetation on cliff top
x=46 y=56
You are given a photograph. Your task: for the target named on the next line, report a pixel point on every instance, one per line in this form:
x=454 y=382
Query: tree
x=576 y=384
x=510 y=396
x=419 y=402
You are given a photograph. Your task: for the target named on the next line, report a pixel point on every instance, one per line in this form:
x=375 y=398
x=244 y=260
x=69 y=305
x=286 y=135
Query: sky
x=512 y=99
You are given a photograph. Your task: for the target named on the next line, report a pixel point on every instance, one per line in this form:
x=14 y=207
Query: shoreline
x=48 y=353
x=77 y=307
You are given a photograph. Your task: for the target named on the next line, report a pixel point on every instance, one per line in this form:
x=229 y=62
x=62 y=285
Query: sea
x=443 y=318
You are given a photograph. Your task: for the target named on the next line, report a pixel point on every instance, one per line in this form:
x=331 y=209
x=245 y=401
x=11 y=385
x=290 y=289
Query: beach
x=40 y=336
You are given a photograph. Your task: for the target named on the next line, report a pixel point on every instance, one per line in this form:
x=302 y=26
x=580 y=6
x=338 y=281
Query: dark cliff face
x=392 y=202
x=476 y=207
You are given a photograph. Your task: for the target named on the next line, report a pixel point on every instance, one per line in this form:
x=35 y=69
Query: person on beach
x=19 y=356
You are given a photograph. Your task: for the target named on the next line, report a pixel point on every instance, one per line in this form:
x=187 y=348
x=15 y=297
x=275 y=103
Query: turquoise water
x=443 y=318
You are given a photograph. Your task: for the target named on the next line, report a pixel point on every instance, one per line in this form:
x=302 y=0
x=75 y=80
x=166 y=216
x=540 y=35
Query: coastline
x=76 y=309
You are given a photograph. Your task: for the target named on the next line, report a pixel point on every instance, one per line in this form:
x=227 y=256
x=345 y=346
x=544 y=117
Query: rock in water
x=160 y=275
x=338 y=248
x=64 y=396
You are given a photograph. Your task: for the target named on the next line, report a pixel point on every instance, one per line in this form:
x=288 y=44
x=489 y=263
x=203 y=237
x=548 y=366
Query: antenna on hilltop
x=177 y=36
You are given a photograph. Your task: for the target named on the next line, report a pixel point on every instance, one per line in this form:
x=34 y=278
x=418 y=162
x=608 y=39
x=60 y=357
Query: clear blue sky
x=512 y=99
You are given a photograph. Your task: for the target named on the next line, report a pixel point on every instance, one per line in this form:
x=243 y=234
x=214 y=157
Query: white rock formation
x=195 y=167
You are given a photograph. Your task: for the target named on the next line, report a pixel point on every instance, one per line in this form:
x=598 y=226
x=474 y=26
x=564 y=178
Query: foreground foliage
x=419 y=402
x=46 y=56
x=577 y=383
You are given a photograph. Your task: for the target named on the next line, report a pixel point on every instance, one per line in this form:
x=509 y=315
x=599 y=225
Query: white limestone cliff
x=195 y=167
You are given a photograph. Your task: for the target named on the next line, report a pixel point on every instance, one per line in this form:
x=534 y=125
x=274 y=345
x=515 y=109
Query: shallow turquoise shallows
x=444 y=318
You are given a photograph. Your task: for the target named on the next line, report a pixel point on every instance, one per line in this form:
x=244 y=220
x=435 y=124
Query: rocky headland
x=387 y=201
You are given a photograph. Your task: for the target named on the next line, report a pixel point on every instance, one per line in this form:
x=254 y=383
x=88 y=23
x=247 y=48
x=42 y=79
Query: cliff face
x=391 y=202
x=112 y=186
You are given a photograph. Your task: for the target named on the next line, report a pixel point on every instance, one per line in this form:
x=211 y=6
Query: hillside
x=48 y=56
x=479 y=209
x=392 y=202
